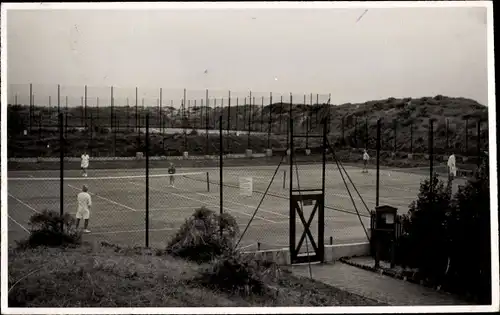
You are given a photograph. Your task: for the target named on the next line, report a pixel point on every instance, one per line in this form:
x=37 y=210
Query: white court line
x=106 y=199
x=237 y=203
x=25 y=204
x=133 y=231
x=204 y=202
x=19 y=224
x=240 y=175
x=167 y=229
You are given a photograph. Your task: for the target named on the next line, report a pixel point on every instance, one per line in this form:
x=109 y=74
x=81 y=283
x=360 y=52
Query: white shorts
x=82 y=214
x=84 y=167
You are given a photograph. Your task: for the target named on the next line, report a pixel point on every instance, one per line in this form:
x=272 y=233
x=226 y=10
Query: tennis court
x=119 y=201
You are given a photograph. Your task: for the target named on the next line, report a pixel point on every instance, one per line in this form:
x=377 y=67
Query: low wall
x=332 y=253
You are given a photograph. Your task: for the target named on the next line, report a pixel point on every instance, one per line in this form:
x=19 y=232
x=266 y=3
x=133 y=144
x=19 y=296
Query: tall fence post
x=112 y=104
x=377 y=190
x=58 y=99
x=85 y=109
x=82 y=122
x=395 y=136
x=308 y=125
x=229 y=112
x=136 y=110
x=61 y=168
x=269 y=123
x=281 y=116
x=221 y=175
x=160 y=111
x=114 y=136
x=262 y=115
x=237 y=113
x=184 y=123
x=317 y=109
x=91 y=131
x=146 y=151
x=411 y=138
x=31 y=108
x=343 y=132
x=97 y=110
x=311 y=111
x=466 y=137
x=447 y=134
x=366 y=133
x=290 y=125
x=244 y=114
x=356 y=132
x=249 y=121
x=206 y=121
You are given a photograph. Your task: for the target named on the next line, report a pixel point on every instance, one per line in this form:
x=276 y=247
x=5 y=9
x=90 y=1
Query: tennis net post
x=208 y=181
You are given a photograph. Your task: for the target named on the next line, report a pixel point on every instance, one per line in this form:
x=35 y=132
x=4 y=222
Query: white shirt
x=85 y=160
x=366 y=157
x=84 y=201
x=451 y=161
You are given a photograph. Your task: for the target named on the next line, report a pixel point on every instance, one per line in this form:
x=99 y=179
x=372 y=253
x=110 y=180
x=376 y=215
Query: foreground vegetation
x=197 y=268
x=447 y=237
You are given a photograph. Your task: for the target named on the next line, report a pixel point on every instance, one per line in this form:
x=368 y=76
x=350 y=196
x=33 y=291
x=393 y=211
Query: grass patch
x=109 y=276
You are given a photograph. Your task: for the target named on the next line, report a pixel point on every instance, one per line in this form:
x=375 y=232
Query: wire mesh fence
x=231 y=151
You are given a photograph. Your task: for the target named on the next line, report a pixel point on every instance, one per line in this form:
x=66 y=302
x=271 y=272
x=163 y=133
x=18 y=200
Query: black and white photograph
x=248 y=157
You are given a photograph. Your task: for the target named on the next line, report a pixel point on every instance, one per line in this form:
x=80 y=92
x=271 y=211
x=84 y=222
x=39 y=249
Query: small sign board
x=389 y=218
x=246 y=186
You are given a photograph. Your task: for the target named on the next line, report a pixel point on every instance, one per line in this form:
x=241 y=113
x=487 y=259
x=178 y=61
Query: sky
x=391 y=52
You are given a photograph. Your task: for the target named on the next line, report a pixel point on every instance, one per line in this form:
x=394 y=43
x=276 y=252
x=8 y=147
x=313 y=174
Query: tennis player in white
x=366 y=158
x=85 y=163
x=452 y=167
x=83 y=211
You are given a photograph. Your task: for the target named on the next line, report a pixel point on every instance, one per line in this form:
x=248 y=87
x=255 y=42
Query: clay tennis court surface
x=118 y=213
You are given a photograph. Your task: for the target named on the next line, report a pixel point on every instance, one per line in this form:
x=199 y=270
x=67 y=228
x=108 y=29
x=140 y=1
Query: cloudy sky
x=404 y=52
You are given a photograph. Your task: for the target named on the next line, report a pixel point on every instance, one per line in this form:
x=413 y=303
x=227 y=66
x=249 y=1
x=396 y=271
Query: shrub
x=235 y=273
x=200 y=239
x=424 y=237
x=469 y=229
x=46 y=230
